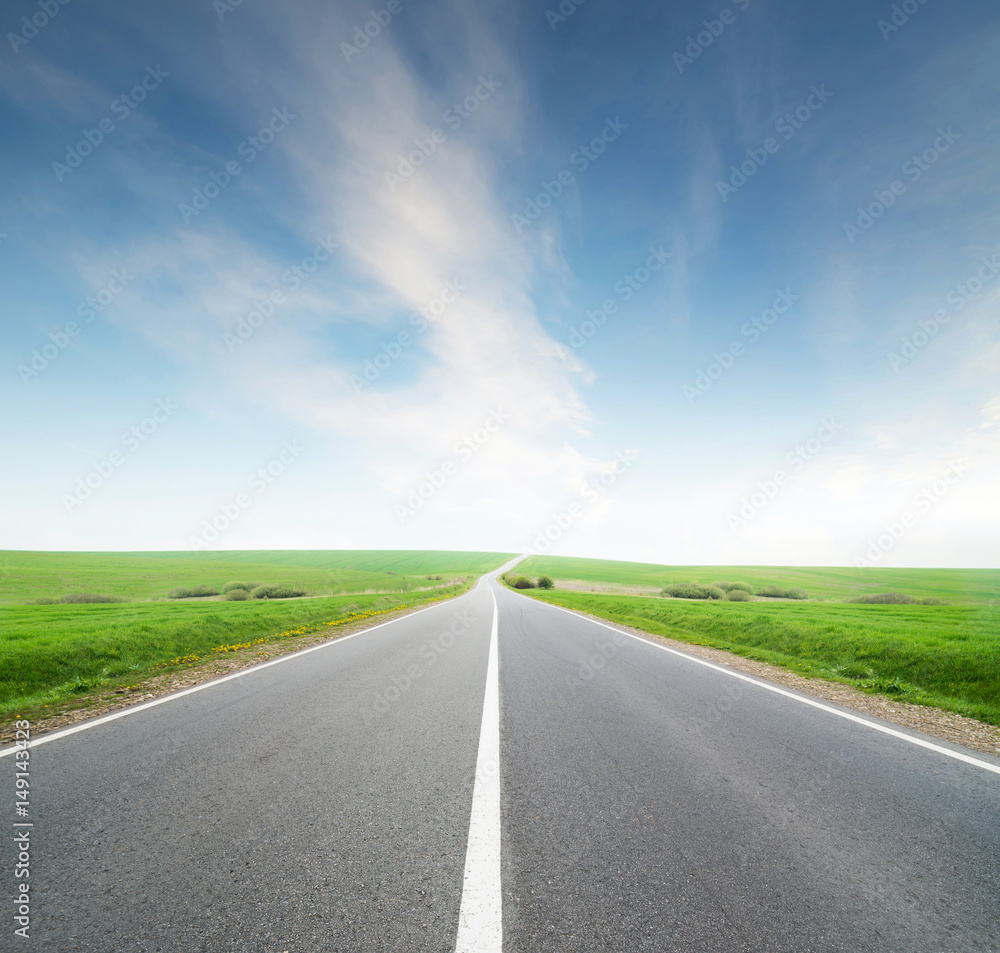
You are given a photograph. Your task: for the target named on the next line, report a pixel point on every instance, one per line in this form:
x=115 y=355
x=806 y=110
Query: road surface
x=374 y=794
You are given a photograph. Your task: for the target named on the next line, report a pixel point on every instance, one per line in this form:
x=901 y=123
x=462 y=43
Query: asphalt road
x=647 y=802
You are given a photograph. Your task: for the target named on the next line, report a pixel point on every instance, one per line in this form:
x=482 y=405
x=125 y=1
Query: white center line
x=480 y=918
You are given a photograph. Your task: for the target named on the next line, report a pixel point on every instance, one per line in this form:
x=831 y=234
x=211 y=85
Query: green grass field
x=49 y=654
x=956 y=586
x=25 y=576
x=947 y=656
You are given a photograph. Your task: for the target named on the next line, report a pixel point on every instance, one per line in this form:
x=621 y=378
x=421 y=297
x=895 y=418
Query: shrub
x=738 y=595
x=692 y=590
x=733 y=586
x=276 y=592
x=79 y=598
x=776 y=592
x=236 y=595
x=932 y=601
x=523 y=582
x=182 y=592
x=885 y=599
x=545 y=582
x=248 y=586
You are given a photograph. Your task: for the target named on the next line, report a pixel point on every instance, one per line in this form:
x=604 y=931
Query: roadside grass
x=955 y=586
x=51 y=654
x=28 y=576
x=944 y=656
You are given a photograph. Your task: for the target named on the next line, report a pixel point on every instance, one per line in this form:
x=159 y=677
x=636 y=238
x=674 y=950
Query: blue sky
x=692 y=283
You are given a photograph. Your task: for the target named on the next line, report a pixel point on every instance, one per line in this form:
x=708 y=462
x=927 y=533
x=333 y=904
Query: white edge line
x=135 y=709
x=480 y=917
x=796 y=697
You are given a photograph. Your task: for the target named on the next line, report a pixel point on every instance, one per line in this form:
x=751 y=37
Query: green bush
x=248 y=586
x=885 y=599
x=182 y=592
x=76 y=598
x=932 y=601
x=276 y=592
x=545 y=582
x=236 y=595
x=692 y=590
x=734 y=587
x=738 y=595
x=776 y=592
x=523 y=582
x=79 y=598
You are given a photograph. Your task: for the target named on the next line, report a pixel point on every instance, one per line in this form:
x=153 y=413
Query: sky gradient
x=689 y=283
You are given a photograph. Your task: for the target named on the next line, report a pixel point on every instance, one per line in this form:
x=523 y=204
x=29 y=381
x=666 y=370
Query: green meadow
x=26 y=576
x=51 y=655
x=956 y=586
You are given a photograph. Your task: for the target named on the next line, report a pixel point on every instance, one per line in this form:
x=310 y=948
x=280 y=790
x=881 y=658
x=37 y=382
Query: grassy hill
x=956 y=586
x=25 y=576
x=51 y=655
